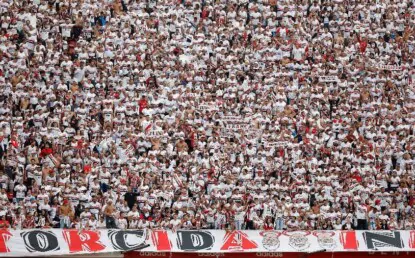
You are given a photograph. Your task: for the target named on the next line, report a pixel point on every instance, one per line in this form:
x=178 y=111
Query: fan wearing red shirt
x=46 y=151
x=268 y=225
x=4 y=223
x=29 y=222
x=362 y=43
x=142 y=103
x=357 y=176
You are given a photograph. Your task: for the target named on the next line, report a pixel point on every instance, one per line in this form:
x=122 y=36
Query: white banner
x=19 y=243
x=43 y=242
x=235 y=126
x=389 y=67
x=207 y=107
x=276 y=144
x=218 y=241
x=328 y=79
x=155 y=133
x=231 y=118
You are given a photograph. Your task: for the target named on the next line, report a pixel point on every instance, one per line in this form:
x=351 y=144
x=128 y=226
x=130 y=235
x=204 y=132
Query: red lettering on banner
x=5 y=235
x=349 y=240
x=161 y=240
x=238 y=241
x=412 y=239
x=85 y=240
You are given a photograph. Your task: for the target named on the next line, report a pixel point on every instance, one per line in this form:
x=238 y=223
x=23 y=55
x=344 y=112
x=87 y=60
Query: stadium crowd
x=221 y=114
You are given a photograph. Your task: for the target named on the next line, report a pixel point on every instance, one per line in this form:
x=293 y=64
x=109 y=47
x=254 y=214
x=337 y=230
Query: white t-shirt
x=20 y=191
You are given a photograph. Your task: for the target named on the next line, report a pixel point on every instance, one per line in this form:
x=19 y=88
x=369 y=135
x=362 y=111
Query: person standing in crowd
x=66 y=214
x=109 y=212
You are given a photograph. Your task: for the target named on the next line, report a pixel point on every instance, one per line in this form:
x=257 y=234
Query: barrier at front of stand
x=52 y=242
x=395 y=254
x=218 y=241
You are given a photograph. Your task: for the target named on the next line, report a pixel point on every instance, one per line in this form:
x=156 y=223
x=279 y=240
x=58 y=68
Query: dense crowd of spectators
x=221 y=114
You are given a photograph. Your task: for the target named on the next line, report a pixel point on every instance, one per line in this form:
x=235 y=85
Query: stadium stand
x=227 y=114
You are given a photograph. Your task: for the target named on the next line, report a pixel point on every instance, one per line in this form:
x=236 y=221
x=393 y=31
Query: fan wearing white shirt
x=122 y=222
x=239 y=216
x=361 y=215
x=20 y=190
